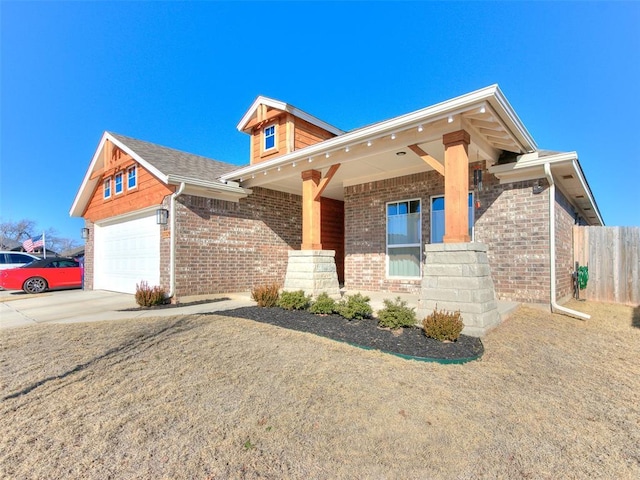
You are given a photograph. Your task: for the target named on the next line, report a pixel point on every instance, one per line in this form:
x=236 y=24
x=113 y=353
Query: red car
x=41 y=275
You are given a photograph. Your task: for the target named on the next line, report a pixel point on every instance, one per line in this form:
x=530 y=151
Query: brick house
x=375 y=196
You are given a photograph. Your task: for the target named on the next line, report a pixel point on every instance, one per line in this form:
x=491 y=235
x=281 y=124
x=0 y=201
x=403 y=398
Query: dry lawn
x=206 y=397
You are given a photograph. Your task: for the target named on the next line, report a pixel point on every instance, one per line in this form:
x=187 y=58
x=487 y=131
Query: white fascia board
x=278 y=105
x=88 y=185
x=514 y=121
x=585 y=186
x=410 y=120
x=226 y=189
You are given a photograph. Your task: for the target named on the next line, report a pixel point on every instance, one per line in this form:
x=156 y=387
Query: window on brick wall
x=404 y=234
x=437 y=218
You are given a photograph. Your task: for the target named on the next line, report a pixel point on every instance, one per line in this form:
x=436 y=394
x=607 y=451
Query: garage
x=126 y=253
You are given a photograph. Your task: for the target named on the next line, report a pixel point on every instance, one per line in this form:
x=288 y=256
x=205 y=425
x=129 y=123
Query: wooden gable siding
x=332 y=231
x=149 y=192
x=308 y=134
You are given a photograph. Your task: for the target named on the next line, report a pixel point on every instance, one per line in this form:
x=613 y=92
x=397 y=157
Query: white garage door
x=127 y=253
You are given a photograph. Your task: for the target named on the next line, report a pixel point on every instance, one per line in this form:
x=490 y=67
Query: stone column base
x=313 y=271
x=457 y=277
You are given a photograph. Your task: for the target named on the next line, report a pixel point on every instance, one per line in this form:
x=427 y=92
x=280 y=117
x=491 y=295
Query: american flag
x=31 y=243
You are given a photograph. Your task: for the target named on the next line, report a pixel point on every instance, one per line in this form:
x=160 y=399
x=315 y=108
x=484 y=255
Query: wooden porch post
x=311 y=210
x=456 y=187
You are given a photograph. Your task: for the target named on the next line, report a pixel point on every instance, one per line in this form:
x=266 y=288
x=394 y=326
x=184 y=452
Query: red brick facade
x=511 y=220
x=229 y=247
x=565 y=219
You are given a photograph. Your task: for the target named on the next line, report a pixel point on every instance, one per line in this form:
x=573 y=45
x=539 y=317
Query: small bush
x=396 y=314
x=147 y=296
x=324 y=305
x=355 y=306
x=443 y=325
x=266 y=295
x=294 y=300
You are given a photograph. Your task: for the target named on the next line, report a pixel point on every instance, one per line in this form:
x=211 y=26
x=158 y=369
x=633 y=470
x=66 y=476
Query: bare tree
x=12 y=233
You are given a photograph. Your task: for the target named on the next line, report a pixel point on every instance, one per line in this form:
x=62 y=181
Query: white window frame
x=386 y=240
x=115 y=183
x=264 y=138
x=106 y=188
x=473 y=216
x=135 y=177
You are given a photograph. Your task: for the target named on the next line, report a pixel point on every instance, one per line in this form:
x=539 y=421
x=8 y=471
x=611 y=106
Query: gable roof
x=170 y=166
x=285 y=107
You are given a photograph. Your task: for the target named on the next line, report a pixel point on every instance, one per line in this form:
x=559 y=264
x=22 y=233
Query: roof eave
x=491 y=94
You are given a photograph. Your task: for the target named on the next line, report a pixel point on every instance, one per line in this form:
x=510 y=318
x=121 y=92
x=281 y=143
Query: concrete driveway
x=69 y=306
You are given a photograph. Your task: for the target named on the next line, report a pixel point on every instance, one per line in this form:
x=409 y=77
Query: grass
x=213 y=397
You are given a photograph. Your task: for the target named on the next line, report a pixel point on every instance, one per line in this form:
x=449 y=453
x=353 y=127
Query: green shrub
x=355 y=306
x=147 y=296
x=396 y=314
x=294 y=300
x=324 y=305
x=266 y=295
x=443 y=325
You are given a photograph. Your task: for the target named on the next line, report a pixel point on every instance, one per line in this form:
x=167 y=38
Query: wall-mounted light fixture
x=162 y=216
x=477 y=179
x=537 y=188
x=84 y=233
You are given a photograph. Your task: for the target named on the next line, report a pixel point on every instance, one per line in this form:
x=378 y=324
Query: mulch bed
x=365 y=333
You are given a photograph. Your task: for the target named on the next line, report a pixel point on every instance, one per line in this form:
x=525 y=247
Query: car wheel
x=35 y=285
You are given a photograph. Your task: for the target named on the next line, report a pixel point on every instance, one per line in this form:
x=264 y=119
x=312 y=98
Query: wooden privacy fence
x=613 y=257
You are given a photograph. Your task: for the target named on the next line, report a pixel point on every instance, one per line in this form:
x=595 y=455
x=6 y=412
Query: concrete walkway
x=73 y=306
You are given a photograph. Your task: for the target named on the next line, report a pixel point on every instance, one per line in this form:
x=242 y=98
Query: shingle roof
x=175 y=162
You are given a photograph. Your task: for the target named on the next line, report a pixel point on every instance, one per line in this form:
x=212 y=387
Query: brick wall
x=88 y=256
x=228 y=247
x=512 y=221
x=365 y=228
x=565 y=220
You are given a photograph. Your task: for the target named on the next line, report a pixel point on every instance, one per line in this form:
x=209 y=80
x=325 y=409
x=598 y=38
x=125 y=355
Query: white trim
x=285 y=107
x=457 y=105
x=143 y=212
x=104 y=190
x=135 y=169
x=403 y=245
x=264 y=138
x=121 y=175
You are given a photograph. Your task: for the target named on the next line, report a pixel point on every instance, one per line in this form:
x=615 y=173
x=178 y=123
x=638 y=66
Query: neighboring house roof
x=285 y=107
x=73 y=252
x=201 y=175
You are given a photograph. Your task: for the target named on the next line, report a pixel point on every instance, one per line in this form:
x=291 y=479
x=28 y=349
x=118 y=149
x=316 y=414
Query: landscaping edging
x=410 y=345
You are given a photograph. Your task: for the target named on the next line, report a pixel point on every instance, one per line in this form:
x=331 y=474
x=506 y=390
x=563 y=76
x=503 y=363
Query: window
x=437 y=218
x=404 y=237
x=118 y=183
x=132 y=179
x=270 y=137
x=107 y=188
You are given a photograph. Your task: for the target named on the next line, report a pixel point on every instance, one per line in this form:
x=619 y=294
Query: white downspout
x=552 y=250
x=172 y=248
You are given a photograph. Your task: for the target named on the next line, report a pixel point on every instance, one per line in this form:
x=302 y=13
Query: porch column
x=456 y=187
x=311 y=210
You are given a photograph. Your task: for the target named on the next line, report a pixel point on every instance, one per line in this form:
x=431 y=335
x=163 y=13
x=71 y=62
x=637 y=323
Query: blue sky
x=182 y=74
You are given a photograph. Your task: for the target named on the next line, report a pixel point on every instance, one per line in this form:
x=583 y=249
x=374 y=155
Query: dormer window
x=269 y=137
